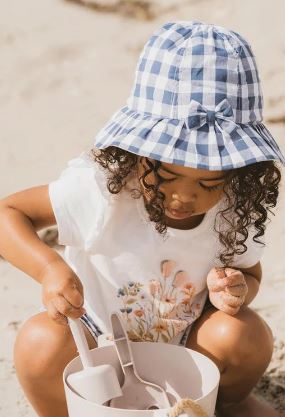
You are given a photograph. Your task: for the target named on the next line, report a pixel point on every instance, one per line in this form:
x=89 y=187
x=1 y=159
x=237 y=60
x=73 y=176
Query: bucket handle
x=185 y=403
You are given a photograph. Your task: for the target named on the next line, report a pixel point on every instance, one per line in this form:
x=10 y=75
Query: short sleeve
x=79 y=199
x=253 y=253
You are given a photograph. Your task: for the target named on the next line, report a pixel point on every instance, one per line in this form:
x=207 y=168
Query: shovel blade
x=97 y=383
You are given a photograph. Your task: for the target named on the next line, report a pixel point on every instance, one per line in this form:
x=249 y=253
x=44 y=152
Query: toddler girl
x=161 y=220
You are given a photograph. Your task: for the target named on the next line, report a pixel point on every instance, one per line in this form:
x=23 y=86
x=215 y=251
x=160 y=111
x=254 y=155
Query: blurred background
x=65 y=67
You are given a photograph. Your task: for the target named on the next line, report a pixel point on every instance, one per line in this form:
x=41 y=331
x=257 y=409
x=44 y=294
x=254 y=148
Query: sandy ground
x=64 y=69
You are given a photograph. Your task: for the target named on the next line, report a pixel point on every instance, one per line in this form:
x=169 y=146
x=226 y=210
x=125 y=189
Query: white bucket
x=182 y=372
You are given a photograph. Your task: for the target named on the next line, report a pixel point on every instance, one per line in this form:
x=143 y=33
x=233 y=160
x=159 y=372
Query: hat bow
x=222 y=117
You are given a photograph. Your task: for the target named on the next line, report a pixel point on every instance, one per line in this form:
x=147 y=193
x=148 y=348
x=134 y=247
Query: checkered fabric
x=196 y=101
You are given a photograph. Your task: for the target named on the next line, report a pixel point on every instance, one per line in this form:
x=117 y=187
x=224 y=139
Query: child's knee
x=236 y=340
x=246 y=338
x=43 y=347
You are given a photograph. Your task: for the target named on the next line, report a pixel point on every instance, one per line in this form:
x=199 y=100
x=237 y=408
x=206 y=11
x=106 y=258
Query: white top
x=124 y=263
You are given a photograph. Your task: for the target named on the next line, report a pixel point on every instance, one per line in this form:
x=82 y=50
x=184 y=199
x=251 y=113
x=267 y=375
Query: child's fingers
x=225 y=285
x=216 y=285
x=229 y=309
x=65 y=308
x=232 y=300
x=235 y=279
x=237 y=290
x=218 y=300
x=220 y=278
x=217 y=280
x=233 y=276
x=74 y=295
x=230 y=271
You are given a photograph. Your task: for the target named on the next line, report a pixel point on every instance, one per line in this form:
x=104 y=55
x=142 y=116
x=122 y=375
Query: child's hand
x=62 y=292
x=227 y=289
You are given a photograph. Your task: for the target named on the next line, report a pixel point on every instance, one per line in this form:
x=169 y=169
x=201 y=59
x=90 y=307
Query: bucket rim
x=194 y=352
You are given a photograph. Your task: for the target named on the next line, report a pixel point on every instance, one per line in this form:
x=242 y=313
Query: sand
x=64 y=70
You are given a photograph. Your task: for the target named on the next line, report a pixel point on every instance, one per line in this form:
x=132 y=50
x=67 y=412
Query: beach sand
x=64 y=70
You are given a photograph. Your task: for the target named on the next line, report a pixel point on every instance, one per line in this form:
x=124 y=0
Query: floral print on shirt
x=162 y=308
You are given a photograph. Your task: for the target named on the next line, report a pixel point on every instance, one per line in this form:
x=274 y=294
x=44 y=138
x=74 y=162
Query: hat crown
x=184 y=61
x=196 y=102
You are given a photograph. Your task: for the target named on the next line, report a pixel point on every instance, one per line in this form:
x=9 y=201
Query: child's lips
x=179 y=214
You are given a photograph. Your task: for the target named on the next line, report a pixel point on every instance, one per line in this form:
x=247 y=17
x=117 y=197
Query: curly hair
x=250 y=193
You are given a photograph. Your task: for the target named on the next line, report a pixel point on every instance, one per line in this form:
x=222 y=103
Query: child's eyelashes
x=211 y=188
x=205 y=187
x=208 y=188
x=166 y=179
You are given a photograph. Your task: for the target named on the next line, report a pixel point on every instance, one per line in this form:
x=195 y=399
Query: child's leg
x=42 y=350
x=241 y=346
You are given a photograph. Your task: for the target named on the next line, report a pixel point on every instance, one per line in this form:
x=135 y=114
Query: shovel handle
x=81 y=342
x=121 y=340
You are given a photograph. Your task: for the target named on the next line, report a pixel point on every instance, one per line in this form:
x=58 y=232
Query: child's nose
x=183 y=199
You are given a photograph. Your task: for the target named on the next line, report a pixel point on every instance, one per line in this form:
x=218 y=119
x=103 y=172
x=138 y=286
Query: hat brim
x=170 y=141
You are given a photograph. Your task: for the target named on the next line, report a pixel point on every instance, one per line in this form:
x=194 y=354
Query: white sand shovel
x=94 y=383
x=137 y=394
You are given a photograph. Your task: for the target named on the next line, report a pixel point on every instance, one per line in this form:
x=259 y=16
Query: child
x=161 y=220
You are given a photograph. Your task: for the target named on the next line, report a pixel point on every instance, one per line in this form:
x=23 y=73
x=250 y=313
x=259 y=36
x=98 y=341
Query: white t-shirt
x=125 y=264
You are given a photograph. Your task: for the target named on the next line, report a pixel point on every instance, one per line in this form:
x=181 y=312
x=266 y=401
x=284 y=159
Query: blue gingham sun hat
x=196 y=101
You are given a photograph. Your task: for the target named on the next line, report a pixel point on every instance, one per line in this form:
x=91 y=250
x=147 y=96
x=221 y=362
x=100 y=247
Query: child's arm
x=253 y=277
x=21 y=215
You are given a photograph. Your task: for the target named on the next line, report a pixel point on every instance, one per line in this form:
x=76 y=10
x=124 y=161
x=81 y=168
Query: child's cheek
x=217 y=196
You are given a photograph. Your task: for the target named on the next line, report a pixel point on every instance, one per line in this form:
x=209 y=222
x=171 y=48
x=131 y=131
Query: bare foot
x=249 y=407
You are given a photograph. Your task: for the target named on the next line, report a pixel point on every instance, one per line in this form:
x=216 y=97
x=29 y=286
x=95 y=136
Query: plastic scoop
x=137 y=394
x=94 y=383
